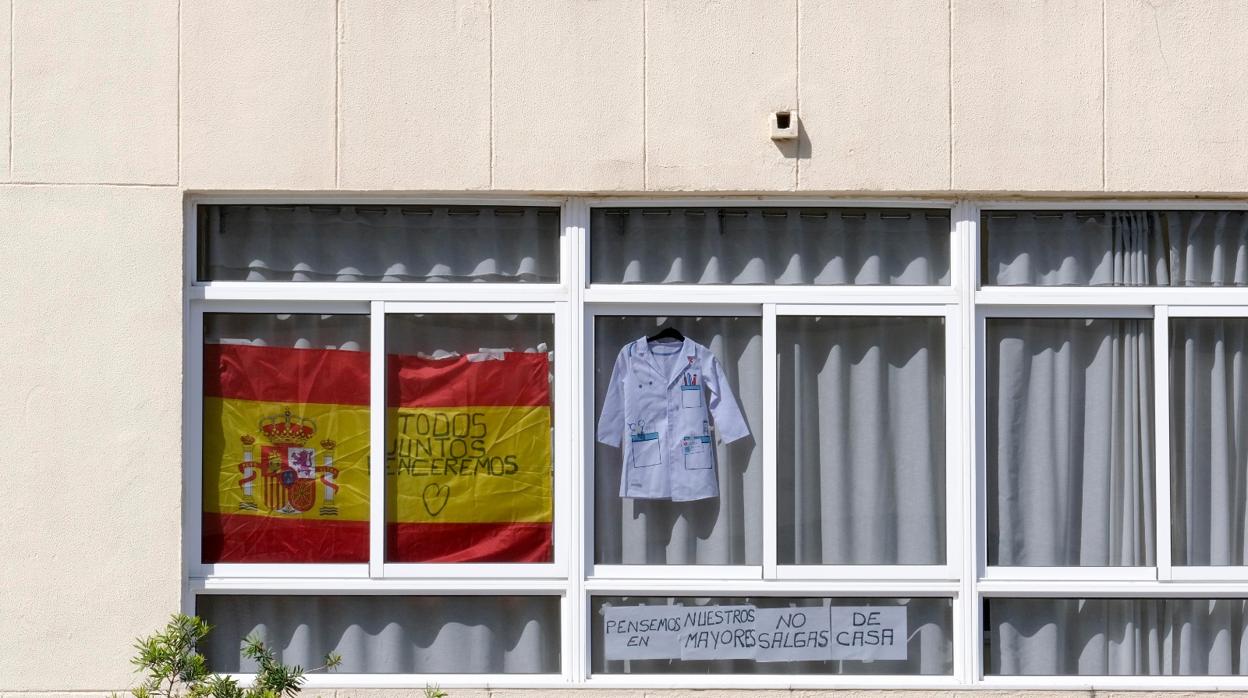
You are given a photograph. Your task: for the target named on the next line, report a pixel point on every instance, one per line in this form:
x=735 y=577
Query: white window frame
x=573 y=577
x=1161 y=580
x=770 y=578
x=378 y=301
x=949 y=571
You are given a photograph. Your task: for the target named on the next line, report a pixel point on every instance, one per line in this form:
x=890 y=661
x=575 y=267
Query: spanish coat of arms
x=287 y=468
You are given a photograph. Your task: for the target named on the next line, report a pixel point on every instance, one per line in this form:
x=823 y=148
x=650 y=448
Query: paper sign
x=642 y=632
x=861 y=633
x=792 y=634
x=717 y=632
x=868 y=632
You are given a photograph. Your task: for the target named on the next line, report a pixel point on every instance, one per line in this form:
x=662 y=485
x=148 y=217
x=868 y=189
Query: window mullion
x=193 y=431
x=377 y=440
x=1161 y=456
x=575 y=622
x=770 y=492
x=955 y=473
x=968 y=658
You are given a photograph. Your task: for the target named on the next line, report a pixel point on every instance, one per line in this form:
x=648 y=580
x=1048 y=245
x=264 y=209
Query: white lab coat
x=656 y=409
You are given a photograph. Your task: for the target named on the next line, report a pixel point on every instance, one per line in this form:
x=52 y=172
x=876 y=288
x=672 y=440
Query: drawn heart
x=431 y=496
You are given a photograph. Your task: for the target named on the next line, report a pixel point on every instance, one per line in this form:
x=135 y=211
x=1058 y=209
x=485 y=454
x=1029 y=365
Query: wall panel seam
x=949 y=86
x=645 y=89
x=797 y=90
x=178 y=97
x=12 y=51
x=152 y=185
x=1104 y=97
x=337 y=94
x=490 y=9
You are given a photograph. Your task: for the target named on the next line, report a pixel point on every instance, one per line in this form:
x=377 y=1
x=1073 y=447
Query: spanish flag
x=285 y=454
x=468 y=461
x=286 y=438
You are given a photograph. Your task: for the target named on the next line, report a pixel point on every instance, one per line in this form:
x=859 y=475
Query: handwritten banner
x=868 y=632
x=717 y=632
x=855 y=633
x=642 y=632
x=793 y=635
x=468 y=464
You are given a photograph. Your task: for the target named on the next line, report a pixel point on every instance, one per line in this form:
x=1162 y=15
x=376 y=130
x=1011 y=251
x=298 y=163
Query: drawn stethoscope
x=638 y=429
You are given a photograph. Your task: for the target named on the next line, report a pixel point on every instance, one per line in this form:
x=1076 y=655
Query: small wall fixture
x=784 y=125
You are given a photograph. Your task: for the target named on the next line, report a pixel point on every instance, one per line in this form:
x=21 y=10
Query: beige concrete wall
x=110 y=112
x=699 y=693
x=90 y=419
x=912 y=96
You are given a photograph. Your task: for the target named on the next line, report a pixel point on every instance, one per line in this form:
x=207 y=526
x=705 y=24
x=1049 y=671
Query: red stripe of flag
x=249 y=538
x=337 y=377
x=283 y=374
x=469 y=542
x=517 y=380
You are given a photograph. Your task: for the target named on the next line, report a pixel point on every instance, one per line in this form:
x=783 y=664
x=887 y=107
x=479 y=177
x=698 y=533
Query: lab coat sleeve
x=729 y=422
x=611 y=421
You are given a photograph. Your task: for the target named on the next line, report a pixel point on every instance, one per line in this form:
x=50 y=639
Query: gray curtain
x=1209 y=440
x=379 y=243
x=1133 y=637
x=766 y=245
x=862 y=441
x=1115 y=248
x=720 y=531
x=298 y=330
x=1208 y=248
x=468 y=333
x=929 y=650
x=1069 y=442
x=389 y=634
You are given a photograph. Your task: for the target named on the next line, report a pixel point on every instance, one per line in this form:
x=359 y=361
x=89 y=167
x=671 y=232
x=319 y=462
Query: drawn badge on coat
x=287 y=470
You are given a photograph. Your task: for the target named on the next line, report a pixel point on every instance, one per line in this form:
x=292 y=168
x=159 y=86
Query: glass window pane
x=469 y=464
x=1209 y=440
x=862 y=440
x=388 y=634
x=1069 y=442
x=379 y=243
x=689 y=431
x=285 y=452
x=1116 y=637
x=1115 y=248
x=771 y=245
x=771 y=635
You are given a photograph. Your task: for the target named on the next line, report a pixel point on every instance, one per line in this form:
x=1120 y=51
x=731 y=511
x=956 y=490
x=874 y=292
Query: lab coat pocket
x=697 y=452
x=647 y=449
x=690 y=396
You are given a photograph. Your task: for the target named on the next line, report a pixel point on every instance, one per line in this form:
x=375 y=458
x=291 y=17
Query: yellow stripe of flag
x=469 y=465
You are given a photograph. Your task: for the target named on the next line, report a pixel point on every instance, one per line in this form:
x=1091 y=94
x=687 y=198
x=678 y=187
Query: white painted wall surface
x=111 y=112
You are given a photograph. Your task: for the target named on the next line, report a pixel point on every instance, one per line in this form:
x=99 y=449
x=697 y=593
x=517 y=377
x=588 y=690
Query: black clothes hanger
x=666 y=333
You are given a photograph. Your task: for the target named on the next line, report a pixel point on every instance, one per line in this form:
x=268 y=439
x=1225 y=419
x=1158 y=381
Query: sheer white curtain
x=862 y=440
x=1069 y=442
x=1116 y=248
x=1209 y=440
x=388 y=634
x=1140 y=637
x=379 y=243
x=720 y=531
x=770 y=246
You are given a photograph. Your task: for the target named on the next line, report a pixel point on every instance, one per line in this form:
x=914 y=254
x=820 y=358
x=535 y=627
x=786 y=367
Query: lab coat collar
x=678 y=367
